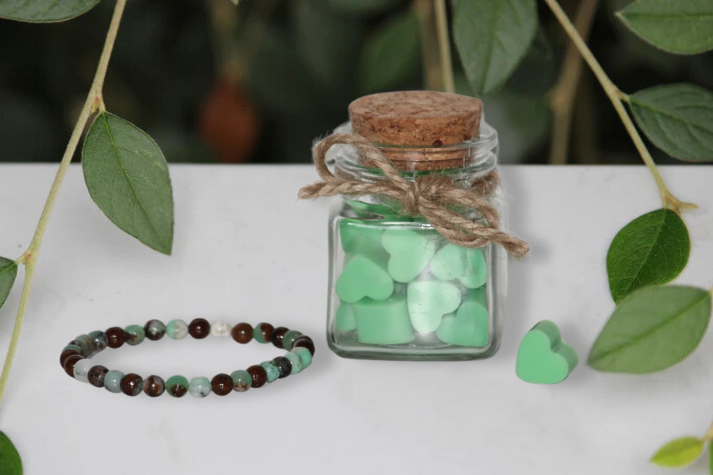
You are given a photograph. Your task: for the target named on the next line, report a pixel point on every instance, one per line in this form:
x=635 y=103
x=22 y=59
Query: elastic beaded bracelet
x=75 y=358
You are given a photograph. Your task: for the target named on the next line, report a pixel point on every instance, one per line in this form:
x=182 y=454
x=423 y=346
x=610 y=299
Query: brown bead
x=154 y=386
x=242 y=333
x=96 y=375
x=277 y=335
x=199 y=328
x=303 y=341
x=222 y=384
x=154 y=330
x=259 y=375
x=265 y=330
x=66 y=354
x=131 y=384
x=70 y=362
x=116 y=337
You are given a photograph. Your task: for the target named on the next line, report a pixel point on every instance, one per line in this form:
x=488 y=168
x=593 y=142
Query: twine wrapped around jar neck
x=434 y=196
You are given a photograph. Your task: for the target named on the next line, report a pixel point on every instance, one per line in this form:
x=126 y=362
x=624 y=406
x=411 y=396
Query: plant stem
x=563 y=93
x=709 y=435
x=444 y=44
x=94 y=102
x=616 y=97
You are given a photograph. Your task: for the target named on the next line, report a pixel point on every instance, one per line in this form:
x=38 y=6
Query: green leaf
x=128 y=179
x=652 y=249
x=391 y=56
x=492 y=37
x=652 y=329
x=523 y=118
x=8 y=272
x=363 y=7
x=679 y=452
x=44 y=11
x=537 y=72
x=680 y=26
x=710 y=461
x=327 y=42
x=10 y=462
x=678 y=119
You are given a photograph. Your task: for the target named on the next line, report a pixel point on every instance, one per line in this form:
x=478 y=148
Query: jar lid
x=423 y=121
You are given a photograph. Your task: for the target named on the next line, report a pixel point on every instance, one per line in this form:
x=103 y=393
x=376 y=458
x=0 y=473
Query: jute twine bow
x=434 y=196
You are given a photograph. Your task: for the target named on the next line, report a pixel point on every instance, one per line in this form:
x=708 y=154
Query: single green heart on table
x=410 y=250
x=428 y=301
x=470 y=326
x=543 y=358
x=462 y=263
x=364 y=276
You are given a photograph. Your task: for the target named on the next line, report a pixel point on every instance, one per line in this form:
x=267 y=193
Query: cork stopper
x=417 y=127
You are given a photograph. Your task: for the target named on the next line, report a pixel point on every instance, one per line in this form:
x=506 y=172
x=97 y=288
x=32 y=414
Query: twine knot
x=454 y=212
x=410 y=202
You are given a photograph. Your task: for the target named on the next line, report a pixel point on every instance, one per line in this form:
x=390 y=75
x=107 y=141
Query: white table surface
x=246 y=250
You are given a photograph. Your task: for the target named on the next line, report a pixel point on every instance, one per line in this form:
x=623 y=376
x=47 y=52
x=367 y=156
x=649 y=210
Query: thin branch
x=667 y=198
x=444 y=45
x=564 y=91
x=94 y=102
x=435 y=44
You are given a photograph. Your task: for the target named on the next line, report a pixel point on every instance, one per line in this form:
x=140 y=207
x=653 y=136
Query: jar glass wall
x=397 y=288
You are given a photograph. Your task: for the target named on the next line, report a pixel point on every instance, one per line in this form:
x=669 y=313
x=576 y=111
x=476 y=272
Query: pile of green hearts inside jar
x=403 y=282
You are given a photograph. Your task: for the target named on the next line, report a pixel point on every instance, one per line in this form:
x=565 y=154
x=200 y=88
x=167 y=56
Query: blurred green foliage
x=299 y=63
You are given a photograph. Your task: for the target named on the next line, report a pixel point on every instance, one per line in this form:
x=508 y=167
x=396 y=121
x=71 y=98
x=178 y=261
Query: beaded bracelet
x=75 y=358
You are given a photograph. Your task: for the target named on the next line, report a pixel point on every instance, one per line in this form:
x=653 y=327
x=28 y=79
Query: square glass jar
x=398 y=289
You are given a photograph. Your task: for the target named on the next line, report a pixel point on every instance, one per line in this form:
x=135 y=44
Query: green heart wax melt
x=346 y=317
x=470 y=326
x=351 y=231
x=383 y=322
x=377 y=211
x=410 y=250
x=364 y=276
x=365 y=272
x=428 y=301
x=543 y=358
x=465 y=264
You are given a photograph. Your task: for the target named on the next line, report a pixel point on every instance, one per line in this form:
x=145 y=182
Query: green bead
x=273 y=372
x=112 y=381
x=72 y=347
x=241 y=380
x=199 y=387
x=296 y=362
x=89 y=341
x=305 y=356
x=177 y=329
x=289 y=338
x=177 y=386
x=258 y=334
x=82 y=346
x=137 y=334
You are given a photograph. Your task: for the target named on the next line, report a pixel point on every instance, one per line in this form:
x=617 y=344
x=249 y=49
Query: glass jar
x=397 y=288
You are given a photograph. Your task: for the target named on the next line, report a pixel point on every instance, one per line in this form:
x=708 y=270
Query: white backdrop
x=243 y=253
